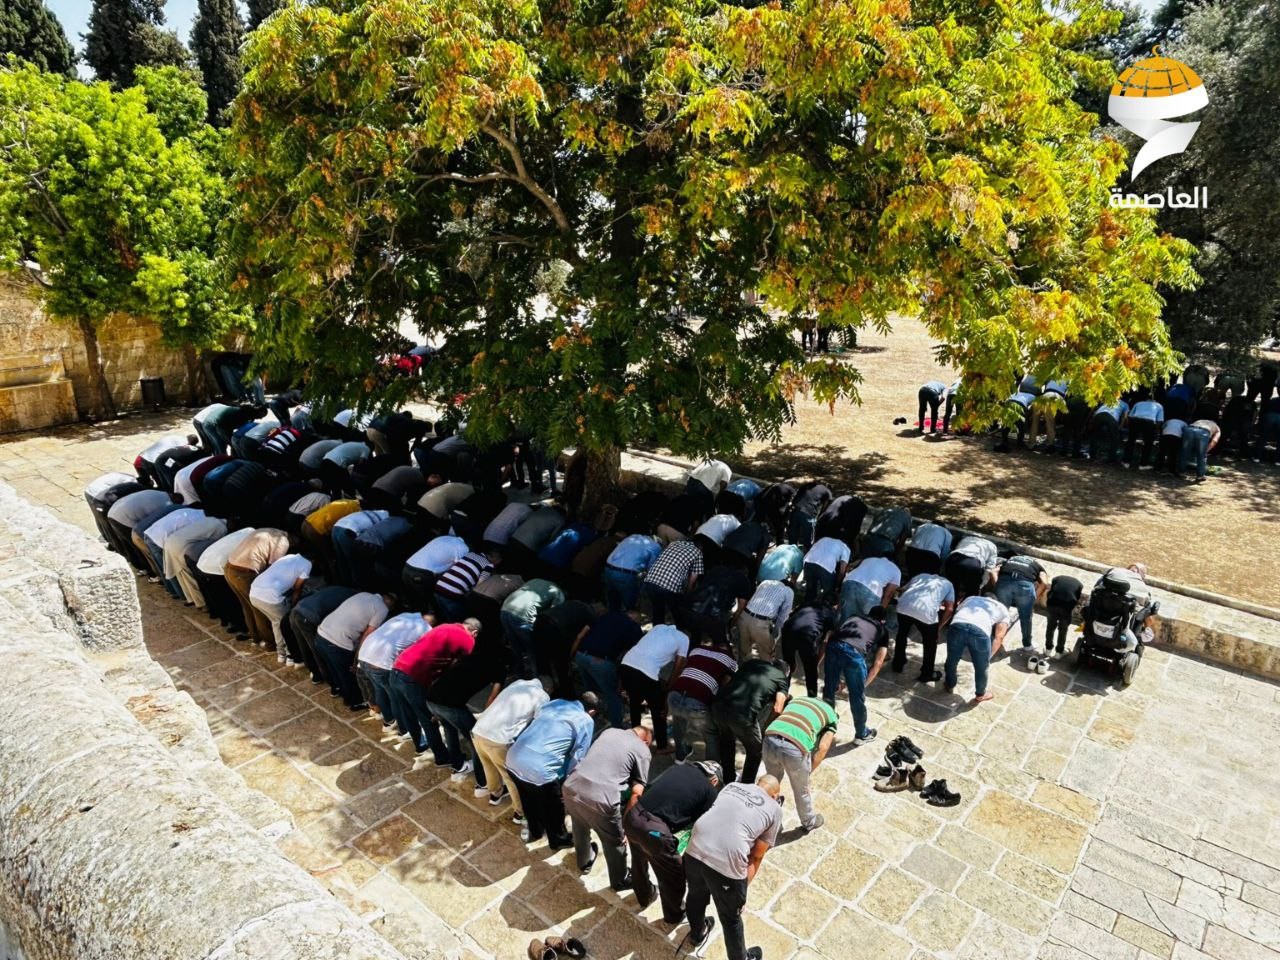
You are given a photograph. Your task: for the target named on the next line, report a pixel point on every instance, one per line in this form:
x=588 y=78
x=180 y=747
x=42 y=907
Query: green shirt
x=804 y=721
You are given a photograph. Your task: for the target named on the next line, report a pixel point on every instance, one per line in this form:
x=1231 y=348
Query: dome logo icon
x=1145 y=99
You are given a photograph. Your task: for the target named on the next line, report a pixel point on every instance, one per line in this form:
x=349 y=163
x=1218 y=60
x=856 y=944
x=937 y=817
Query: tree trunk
x=101 y=403
x=197 y=382
x=594 y=479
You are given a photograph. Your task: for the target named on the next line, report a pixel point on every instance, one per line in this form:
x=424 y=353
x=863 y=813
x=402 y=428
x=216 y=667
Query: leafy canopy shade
x=580 y=198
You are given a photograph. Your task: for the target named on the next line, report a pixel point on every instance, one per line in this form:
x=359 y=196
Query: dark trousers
x=1147 y=433
x=664 y=604
x=304 y=629
x=730 y=896
x=338 y=668
x=921 y=561
x=220 y=601
x=933 y=401
x=642 y=689
x=966 y=574
x=1058 y=621
x=929 y=640
x=732 y=729
x=379 y=684
x=456 y=722
x=544 y=812
x=410 y=702
x=419 y=586
x=652 y=844
x=807 y=652
x=1170 y=452
x=1104 y=438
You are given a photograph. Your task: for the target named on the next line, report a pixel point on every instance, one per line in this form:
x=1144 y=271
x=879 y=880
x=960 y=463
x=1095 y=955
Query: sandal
x=566 y=947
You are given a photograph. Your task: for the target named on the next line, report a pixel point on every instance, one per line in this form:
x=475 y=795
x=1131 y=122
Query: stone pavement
x=1095 y=822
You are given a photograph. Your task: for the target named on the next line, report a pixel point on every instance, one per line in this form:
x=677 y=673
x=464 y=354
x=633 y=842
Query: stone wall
x=122 y=835
x=131 y=349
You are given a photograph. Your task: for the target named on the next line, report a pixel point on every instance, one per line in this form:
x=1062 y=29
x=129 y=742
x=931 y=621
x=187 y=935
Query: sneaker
x=883 y=772
x=281 y=658
x=699 y=939
x=525 y=835
x=497 y=798
x=622 y=885
x=865 y=738
x=1033 y=662
x=818 y=821
x=480 y=792
x=755 y=953
x=462 y=772
x=356 y=708
x=518 y=820
x=907 y=750
x=290 y=662
x=1042 y=665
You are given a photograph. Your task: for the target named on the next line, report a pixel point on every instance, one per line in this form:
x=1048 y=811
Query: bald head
x=644 y=733
x=769 y=785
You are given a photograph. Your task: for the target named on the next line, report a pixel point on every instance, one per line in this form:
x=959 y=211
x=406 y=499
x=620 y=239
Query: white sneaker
x=480 y=792
x=462 y=774
x=495 y=799
x=281 y=658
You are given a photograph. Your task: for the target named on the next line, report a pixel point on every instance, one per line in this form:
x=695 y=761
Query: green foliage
x=126 y=34
x=120 y=218
x=216 y=36
x=1235 y=153
x=30 y=31
x=259 y=10
x=176 y=101
x=577 y=199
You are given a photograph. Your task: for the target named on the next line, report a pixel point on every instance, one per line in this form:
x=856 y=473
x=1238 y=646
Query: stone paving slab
x=1095 y=823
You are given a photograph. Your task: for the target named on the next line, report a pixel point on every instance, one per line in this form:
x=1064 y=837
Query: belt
x=758 y=616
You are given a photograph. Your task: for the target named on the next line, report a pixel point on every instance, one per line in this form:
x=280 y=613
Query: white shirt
x=502 y=526
x=175 y=545
x=439 y=554
x=981 y=549
x=214 y=560
x=828 y=553
x=511 y=711
x=719 y=527
x=396 y=635
x=171 y=522
x=772 y=600
x=876 y=573
x=657 y=648
x=357 y=614
x=182 y=484
x=712 y=474
x=985 y=613
x=107 y=481
x=361 y=520
x=924 y=596
x=271 y=585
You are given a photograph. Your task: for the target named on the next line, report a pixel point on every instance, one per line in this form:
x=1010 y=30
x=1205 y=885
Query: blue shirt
x=781 y=562
x=1180 y=391
x=936 y=386
x=1022 y=399
x=748 y=490
x=636 y=553
x=566 y=544
x=932 y=537
x=1147 y=410
x=1056 y=386
x=1117 y=410
x=553 y=743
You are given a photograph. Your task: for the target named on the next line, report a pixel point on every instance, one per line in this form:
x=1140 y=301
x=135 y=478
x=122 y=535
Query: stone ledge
x=1231 y=635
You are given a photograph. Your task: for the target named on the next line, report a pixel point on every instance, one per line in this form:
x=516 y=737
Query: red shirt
x=432 y=653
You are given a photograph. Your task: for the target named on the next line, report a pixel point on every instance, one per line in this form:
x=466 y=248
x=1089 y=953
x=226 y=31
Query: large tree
x=216 y=36
x=127 y=34
x=1233 y=46
x=580 y=200
x=259 y=10
x=30 y=31
x=118 y=217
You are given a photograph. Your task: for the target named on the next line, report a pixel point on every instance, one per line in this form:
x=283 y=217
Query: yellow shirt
x=323 y=520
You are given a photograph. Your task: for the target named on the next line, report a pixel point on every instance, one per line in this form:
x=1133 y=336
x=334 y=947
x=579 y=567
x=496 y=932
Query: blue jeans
x=457 y=723
x=856 y=600
x=621 y=589
x=601 y=675
x=842 y=662
x=449 y=609
x=519 y=636
x=157 y=557
x=1021 y=595
x=962 y=637
x=344 y=542
x=1195 y=447
x=423 y=726
x=380 y=682
x=690 y=722
x=1270 y=433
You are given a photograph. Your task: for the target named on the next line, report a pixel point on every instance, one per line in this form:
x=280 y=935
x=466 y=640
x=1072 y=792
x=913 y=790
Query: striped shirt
x=772 y=601
x=677 y=562
x=704 y=672
x=803 y=722
x=462 y=577
x=281 y=440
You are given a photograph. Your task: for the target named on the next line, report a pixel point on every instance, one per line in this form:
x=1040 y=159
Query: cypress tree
x=126 y=34
x=259 y=10
x=215 y=40
x=30 y=30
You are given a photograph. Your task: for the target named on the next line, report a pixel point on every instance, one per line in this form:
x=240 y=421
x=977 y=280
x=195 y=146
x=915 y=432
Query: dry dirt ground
x=1220 y=535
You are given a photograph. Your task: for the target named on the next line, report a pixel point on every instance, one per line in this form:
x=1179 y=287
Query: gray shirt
x=615 y=761
x=539 y=528
x=724 y=835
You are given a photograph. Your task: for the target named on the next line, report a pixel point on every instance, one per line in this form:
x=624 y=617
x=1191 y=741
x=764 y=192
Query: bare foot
x=983 y=699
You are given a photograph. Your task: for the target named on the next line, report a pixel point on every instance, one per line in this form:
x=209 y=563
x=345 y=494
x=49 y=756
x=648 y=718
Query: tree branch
x=523 y=178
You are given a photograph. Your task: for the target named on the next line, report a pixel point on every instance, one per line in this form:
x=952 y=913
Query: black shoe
x=624 y=884
x=818 y=821
x=595 y=850
x=883 y=772
x=357 y=707
x=942 y=797
x=755 y=953
x=930 y=790
x=699 y=939
x=679 y=918
x=906 y=742
x=930 y=678
x=644 y=901
x=905 y=749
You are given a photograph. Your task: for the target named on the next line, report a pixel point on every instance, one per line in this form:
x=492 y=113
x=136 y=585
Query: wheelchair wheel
x=1129 y=667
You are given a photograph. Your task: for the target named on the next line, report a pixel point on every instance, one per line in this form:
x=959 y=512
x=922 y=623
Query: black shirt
x=1064 y=593
x=754 y=686
x=466 y=678
x=749 y=539
x=562 y=623
x=679 y=797
x=685 y=512
x=811 y=499
x=611 y=636
x=719 y=590
x=886 y=531
x=639 y=514
x=773 y=501
x=842 y=519
x=1023 y=568
x=808 y=625
x=863 y=634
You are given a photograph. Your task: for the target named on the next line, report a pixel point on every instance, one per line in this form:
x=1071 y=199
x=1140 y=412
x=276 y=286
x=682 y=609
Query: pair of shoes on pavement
x=1037 y=663
x=936 y=794
x=554 y=947
x=901 y=768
